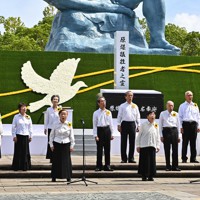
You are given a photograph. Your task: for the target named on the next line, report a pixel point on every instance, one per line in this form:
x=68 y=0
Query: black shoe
x=108 y=168
x=123 y=161
x=144 y=178
x=150 y=179
x=184 y=161
x=194 y=161
x=168 y=169
x=176 y=169
x=53 y=180
x=68 y=180
x=132 y=161
x=98 y=169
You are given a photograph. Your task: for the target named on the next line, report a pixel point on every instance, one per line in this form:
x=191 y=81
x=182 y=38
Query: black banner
x=145 y=102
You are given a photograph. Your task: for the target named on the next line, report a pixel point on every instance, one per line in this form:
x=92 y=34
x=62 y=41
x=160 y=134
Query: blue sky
x=185 y=13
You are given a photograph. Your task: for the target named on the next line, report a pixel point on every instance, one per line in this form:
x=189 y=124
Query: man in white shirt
x=128 y=121
x=169 y=131
x=190 y=125
x=103 y=134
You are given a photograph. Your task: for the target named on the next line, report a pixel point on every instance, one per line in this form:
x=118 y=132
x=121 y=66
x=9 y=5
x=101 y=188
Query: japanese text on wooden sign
x=121 y=60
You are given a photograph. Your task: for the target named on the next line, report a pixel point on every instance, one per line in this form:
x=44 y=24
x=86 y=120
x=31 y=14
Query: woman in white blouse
x=1 y=131
x=62 y=142
x=148 y=143
x=22 y=135
x=51 y=116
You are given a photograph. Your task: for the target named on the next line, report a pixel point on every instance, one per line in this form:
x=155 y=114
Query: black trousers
x=170 y=136
x=49 y=152
x=189 y=135
x=104 y=135
x=147 y=162
x=21 y=158
x=128 y=130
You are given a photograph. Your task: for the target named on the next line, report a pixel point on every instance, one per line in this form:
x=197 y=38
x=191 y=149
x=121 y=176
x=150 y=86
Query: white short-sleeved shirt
x=189 y=112
x=168 y=119
x=128 y=112
x=62 y=133
x=22 y=125
x=51 y=116
x=102 y=118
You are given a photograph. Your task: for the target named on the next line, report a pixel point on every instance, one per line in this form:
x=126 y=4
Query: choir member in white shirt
x=128 y=121
x=62 y=143
x=22 y=135
x=51 y=116
x=169 y=131
x=103 y=133
x=190 y=125
x=1 y=132
x=148 y=143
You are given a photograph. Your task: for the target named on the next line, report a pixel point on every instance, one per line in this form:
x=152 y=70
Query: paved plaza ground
x=113 y=189
x=107 y=188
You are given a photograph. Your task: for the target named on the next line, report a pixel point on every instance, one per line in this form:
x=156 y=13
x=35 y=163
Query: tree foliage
x=188 y=42
x=175 y=35
x=192 y=44
x=20 y=38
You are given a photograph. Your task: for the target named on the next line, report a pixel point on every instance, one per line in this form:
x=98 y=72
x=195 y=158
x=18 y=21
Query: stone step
x=118 y=167
x=80 y=146
x=88 y=147
x=87 y=137
x=41 y=168
x=89 y=141
x=87 y=153
x=102 y=174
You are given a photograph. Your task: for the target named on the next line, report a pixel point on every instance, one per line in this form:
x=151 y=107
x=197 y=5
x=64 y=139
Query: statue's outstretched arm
x=91 y=6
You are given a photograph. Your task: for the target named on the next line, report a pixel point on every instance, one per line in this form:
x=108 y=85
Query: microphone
x=82 y=121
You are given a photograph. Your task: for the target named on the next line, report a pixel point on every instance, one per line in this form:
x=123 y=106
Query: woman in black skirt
x=51 y=116
x=148 y=143
x=22 y=135
x=61 y=141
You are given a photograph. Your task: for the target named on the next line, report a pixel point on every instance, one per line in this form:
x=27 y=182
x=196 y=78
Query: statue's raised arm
x=91 y=6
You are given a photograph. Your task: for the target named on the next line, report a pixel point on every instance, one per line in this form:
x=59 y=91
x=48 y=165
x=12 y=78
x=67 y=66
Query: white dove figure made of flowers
x=59 y=83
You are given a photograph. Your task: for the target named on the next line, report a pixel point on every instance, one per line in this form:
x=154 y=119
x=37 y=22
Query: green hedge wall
x=172 y=84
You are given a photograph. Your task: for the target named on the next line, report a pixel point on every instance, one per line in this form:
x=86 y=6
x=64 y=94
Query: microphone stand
x=83 y=178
